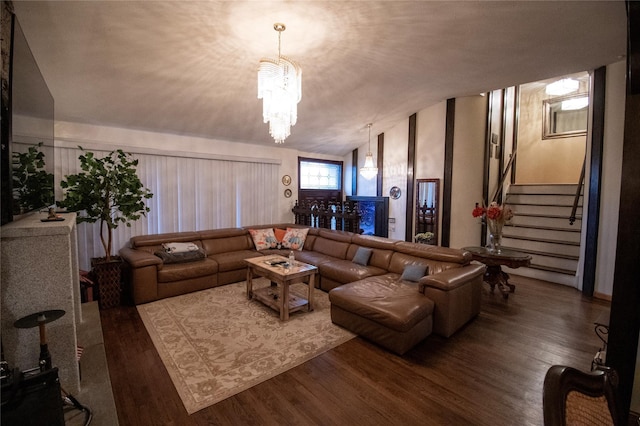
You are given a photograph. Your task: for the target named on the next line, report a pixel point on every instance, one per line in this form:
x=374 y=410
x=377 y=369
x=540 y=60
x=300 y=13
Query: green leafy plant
x=32 y=184
x=107 y=190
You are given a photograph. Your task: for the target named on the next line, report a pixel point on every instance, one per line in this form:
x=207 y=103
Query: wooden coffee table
x=494 y=275
x=282 y=275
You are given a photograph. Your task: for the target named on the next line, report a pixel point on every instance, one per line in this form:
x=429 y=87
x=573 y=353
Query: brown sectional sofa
x=363 y=294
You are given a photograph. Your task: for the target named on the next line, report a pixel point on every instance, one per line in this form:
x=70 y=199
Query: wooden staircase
x=541 y=228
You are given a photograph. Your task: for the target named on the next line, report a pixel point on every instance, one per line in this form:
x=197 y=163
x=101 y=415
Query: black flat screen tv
x=27 y=134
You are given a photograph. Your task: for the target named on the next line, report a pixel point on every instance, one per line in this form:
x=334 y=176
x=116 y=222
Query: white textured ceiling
x=189 y=67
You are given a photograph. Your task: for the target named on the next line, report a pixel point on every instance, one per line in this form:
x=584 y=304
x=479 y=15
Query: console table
x=494 y=275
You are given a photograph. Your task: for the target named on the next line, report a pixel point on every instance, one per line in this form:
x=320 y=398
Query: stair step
x=542 y=234
x=560 y=261
x=545 y=253
x=544 y=210
x=543 y=240
x=553 y=269
x=551 y=247
x=559 y=216
x=539 y=274
x=543 y=189
x=544 y=228
x=545 y=221
x=545 y=199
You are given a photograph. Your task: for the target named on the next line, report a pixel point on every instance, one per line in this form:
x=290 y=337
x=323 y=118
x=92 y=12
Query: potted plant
x=32 y=184
x=109 y=191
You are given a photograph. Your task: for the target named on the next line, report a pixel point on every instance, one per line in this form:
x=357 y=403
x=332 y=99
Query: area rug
x=216 y=343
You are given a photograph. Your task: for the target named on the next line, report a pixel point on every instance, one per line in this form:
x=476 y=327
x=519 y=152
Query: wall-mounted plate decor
x=395 y=192
x=287 y=193
x=286 y=180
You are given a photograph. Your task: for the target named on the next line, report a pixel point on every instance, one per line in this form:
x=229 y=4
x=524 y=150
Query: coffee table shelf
x=270 y=296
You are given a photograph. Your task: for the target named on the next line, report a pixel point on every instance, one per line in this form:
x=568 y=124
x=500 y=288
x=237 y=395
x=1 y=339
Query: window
x=319 y=174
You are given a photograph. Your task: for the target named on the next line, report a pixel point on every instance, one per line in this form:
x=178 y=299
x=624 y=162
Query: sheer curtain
x=189 y=194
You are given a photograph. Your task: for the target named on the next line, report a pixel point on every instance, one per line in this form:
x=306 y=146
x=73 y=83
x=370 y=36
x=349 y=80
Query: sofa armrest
x=139 y=258
x=451 y=278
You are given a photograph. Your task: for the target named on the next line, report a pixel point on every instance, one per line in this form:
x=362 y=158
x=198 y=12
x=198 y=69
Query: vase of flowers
x=495 y=216
x=424 y=238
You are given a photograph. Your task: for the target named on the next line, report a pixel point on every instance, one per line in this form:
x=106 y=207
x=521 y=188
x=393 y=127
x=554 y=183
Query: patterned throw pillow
x=294 y=238
x=263 y=238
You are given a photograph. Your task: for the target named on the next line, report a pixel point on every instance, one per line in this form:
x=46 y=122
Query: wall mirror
x=565 y=116
x=427 y=213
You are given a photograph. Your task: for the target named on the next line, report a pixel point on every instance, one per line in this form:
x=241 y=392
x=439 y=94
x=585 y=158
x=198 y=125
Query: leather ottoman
x=391 y=313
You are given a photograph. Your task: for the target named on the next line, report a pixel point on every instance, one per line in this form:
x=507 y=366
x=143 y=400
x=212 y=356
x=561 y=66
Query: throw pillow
x=179 y=247
x=414 y=272
x=180 y=257
x=279 y=233
x=263 y=238
x=294 y=238
x=362 y=256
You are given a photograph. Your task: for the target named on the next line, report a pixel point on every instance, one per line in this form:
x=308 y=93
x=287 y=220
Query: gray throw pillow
x=362 y=256
x=414 y=272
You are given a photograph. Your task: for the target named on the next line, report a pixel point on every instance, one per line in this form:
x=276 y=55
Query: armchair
x=574 y=397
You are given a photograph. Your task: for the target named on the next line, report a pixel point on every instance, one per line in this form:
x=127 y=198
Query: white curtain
x=189 y=194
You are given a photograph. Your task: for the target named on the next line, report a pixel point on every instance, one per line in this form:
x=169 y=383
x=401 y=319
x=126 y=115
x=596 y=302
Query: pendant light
x=369 y=171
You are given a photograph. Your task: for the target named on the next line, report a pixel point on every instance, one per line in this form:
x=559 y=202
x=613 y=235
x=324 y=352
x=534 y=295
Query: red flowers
x=478 y=211
x=493 y=212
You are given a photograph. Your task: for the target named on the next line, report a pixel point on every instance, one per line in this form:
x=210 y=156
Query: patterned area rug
x=215 y=343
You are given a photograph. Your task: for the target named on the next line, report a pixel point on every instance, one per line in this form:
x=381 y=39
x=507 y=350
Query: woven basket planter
x=108 y=278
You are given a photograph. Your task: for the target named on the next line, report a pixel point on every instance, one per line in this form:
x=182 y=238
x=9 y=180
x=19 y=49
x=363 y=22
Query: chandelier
x=280 y=88
x=369 y=171
x=562 y=87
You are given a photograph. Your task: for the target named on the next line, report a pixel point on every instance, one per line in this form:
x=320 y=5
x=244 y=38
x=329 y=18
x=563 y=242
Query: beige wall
x=557 y=160
x=468 y=165
x=395 y=174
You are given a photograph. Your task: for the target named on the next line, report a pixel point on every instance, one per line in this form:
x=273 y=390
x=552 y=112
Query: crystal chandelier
x=280 y=88
x=369 y=171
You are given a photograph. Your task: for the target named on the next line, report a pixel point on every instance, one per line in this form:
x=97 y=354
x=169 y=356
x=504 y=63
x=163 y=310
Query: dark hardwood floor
x=488 y=373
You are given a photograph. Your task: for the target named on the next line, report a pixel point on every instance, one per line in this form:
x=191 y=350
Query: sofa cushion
x=227 y=240
x=263 y=238
x=345 y=271
x=335 y=249
x=314 y=258
x=362 y=256
x=414 y=272
x=156 y=240
x=294 y=238
x=437 y=253
x=396 y=305
x=184 y=271
x=233 y=260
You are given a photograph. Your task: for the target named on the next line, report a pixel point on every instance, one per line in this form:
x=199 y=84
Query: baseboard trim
x=602 y=296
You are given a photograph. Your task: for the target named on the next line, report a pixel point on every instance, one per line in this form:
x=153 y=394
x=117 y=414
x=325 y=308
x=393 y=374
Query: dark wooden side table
x=494 y=275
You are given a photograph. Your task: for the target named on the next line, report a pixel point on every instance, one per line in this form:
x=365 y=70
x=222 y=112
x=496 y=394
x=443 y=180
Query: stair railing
x=576 y=199
x=503 y=177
